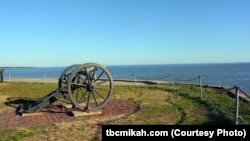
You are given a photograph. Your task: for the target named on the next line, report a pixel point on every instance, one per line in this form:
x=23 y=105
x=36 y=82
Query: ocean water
x=229 y=74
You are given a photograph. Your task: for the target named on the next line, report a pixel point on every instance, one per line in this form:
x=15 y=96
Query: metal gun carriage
x=87 y=87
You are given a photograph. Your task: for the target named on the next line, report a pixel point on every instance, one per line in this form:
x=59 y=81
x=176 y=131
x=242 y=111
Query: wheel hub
x=91 y=87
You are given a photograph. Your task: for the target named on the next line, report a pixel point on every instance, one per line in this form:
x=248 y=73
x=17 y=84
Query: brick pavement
x=10 y=119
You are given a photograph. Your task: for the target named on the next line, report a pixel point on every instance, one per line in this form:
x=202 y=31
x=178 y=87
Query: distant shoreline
x=15 y=67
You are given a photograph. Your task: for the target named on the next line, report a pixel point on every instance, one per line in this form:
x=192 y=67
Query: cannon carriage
x=87 y=87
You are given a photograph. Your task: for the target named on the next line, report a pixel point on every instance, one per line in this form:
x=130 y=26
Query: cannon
x=87 y=87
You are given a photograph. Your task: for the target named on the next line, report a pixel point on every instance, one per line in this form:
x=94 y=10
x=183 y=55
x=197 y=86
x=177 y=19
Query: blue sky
x=123 y=32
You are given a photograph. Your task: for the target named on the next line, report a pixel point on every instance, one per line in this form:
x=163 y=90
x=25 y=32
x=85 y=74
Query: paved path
x=11 y=119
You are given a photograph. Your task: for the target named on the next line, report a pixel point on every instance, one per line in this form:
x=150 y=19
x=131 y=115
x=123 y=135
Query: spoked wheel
x=90 y=86
x=62 y=82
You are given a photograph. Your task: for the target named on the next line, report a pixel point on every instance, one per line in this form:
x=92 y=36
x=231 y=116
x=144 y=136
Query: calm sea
x=230 y=74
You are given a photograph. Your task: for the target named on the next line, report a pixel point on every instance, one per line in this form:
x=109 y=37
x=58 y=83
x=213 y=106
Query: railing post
x=236 y=105
x=200 y=86
x=1 y=75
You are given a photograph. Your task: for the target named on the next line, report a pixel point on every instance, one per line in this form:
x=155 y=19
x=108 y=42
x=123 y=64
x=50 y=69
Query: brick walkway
x=10 y=118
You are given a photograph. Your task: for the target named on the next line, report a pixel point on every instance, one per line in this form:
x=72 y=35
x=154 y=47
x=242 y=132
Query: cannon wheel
x=62 y=82
x=90 y=86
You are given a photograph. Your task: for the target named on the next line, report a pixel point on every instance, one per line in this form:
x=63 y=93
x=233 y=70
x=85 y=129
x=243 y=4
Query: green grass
x=16 y=135
x=179 y=105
